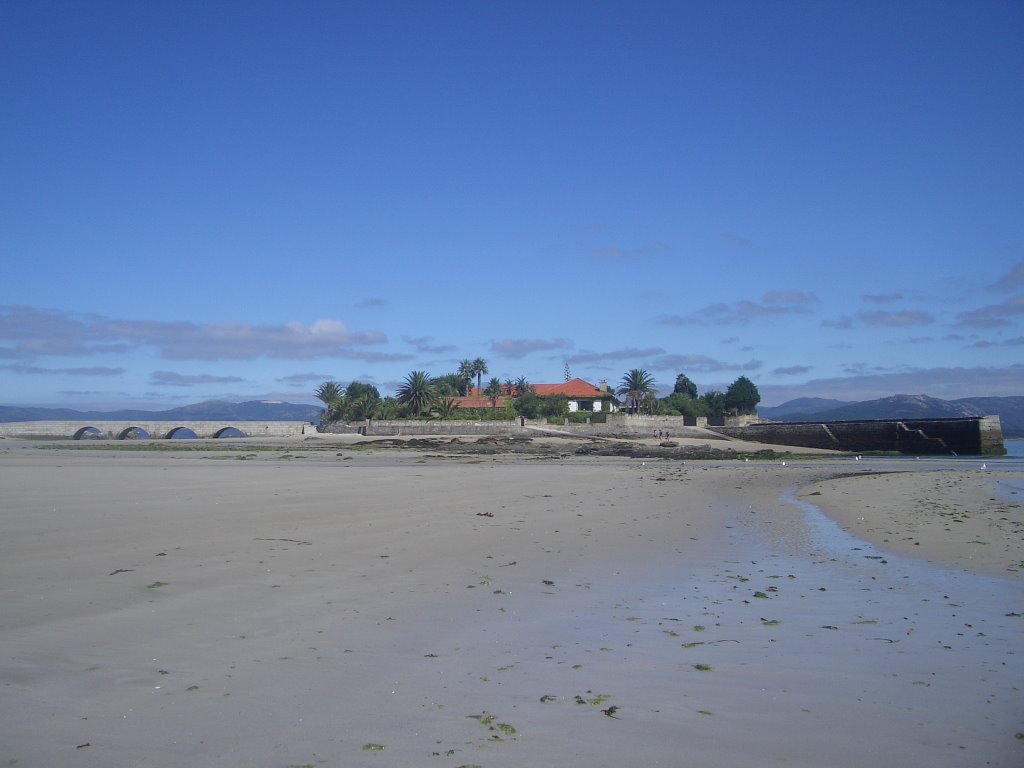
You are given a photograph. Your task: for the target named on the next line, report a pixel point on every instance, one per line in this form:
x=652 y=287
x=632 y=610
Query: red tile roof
x=573 y=389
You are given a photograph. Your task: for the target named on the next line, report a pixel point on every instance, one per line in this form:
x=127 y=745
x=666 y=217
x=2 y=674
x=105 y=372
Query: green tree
x=493 y=391
x=466 y=373
x=685 y=387
x=683 y=404
x=479 y=369
x=554 y=406
x=450 y=385
x=365 y=404
x=388 y=408
x=742 y=396
x=357 y=389
x=714 y=403
x=446 y=407
x=331 y=394
x=416 y=392
x=527 y=402
x=636 y=386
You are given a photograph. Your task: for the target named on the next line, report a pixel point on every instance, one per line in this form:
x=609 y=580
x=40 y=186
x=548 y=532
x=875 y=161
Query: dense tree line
x=423 y=396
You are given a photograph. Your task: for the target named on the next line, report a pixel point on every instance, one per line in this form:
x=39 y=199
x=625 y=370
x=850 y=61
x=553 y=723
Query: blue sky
x=240 y=200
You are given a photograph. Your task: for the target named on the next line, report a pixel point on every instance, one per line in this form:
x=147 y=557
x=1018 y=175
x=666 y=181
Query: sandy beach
x=315 y=603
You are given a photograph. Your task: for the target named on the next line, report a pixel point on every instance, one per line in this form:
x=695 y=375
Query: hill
x=1010 y=410
x=802 y=406
x=211 y=410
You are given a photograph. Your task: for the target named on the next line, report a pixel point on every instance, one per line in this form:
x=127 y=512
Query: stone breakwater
x=958 y=436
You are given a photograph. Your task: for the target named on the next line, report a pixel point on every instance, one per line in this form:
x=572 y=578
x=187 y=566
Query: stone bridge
x=157 y=430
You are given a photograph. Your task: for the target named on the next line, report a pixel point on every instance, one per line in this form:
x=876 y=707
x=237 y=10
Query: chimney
x=603 y=385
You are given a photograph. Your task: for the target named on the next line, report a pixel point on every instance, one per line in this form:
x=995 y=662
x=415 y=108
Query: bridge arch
x=88 y=432
x=133 y=433
x=235 y=432
x=179 y=432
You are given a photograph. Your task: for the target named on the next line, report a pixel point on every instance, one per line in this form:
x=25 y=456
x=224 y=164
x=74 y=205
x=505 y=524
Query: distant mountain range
x=211 y=410
x=1010 y=410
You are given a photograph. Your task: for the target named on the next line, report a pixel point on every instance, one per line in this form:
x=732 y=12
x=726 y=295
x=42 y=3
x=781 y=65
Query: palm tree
x=417 y=391
x=364 y=407
x=522 y=386
x=466 y=373
x=637 y=386
x=446 y=407
x=333 y=396
x=493 y=391
x=387 y=408
x=479 y=369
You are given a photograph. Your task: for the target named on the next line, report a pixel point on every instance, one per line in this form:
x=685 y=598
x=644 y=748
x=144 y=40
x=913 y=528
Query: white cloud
x=37 y=333
x=994 y=315
x=772 y=304
x=628 y=353
x=425 y=345
x=86 y=371
x=898 y=319
x=171 y=379
x=518 y=348
x=1012 y=280
x=700 y=364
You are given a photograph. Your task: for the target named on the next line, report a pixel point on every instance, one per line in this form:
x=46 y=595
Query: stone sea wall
x=956 y=436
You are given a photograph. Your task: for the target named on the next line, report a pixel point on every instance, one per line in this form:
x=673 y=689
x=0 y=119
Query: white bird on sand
x=783 y=463
x=984 y=466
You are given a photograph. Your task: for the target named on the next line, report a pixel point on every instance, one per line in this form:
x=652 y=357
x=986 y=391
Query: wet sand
x=293 y=607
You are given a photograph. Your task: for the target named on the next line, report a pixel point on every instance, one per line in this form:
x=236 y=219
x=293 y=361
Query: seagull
x=984 y=466
x=783 y=463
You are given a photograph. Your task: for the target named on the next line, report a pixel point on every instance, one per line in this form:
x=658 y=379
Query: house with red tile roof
x=582 y=395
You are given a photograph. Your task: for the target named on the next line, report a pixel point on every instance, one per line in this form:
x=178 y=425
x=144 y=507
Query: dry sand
x=316 y=605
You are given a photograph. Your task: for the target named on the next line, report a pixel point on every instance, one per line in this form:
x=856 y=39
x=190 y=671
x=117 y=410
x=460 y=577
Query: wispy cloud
x=844 y=323
x=1012 y=280
x=898 y=319
x=700 y=364
x=792 y=370
x=518 y=348
x=239 y=341
x=372 y=302
x=87 y=371
x=628 y=353
x=994 y=315
x=425 y=345
x=882 y=298
x=171 y=379
x=298 y=379
x=34 y=333
x=734 y=239
x=1016 y=341
x=772 y=304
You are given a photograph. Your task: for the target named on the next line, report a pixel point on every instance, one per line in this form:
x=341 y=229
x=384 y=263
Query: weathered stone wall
x=910 y=436
x=990 y=432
